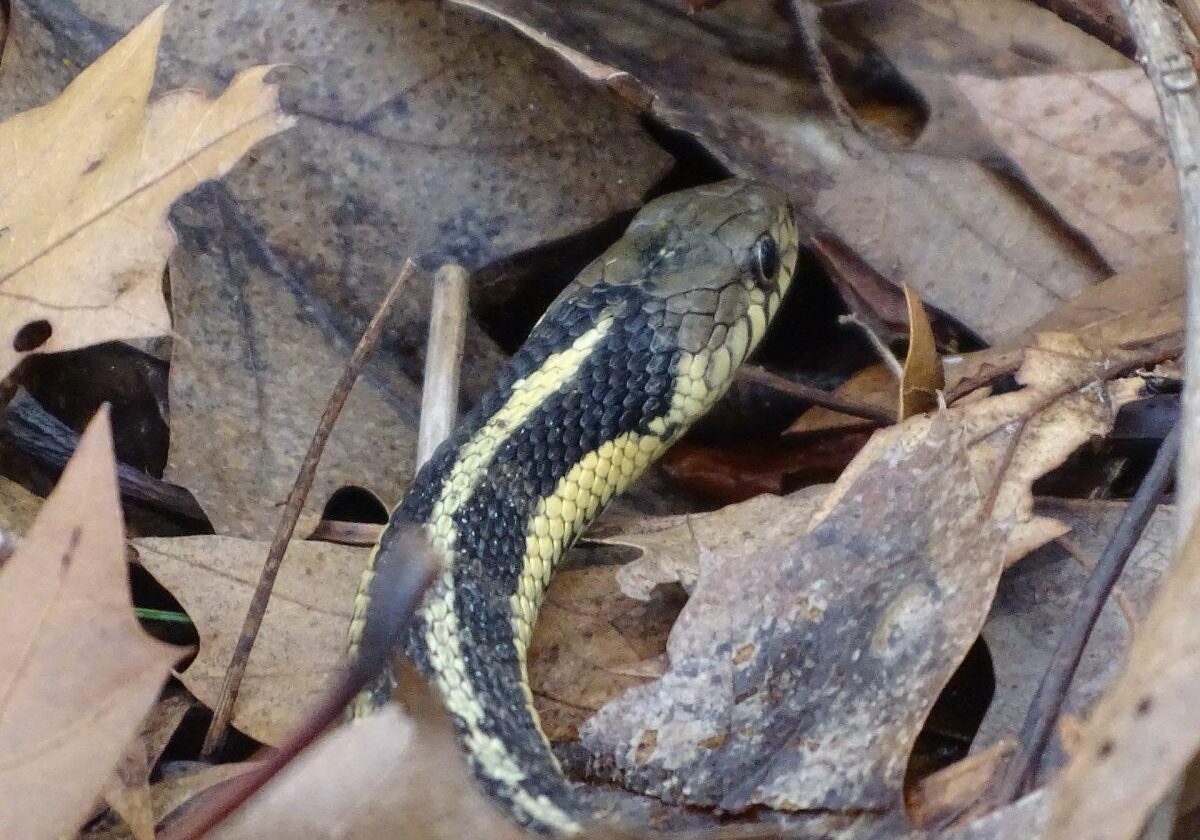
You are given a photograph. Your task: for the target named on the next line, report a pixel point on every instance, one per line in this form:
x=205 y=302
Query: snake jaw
x=634 y=351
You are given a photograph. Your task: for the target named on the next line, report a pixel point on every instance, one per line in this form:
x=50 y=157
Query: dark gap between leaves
x=355 y=504
x=150 y=594
x=955 y=718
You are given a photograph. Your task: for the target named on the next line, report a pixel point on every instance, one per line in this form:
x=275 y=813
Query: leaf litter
x=965 y=241
x=925 y=520
x=83 y=230
x=419 y=132
x=71 y=700
x=906 y=548
x=303 y=634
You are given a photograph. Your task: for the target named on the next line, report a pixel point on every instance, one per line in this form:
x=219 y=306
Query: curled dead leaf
x=923 y=376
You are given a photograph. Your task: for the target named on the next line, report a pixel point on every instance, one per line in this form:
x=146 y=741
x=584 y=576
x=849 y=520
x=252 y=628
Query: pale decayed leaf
x=85 y=188
x=1035 y=601
x=813 y=699
x=128 y=791
x=78 y=671
x=1146 y=728
x=303 y=635
x=1093 y=145
x=389 y=776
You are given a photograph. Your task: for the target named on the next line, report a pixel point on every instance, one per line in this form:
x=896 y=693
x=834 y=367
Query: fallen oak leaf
x=814 y=698
x=86 y=187
x=79 y=672
x=303 y=636
x=1093 y=145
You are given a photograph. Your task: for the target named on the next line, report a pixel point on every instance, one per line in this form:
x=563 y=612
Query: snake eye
x=766 y=259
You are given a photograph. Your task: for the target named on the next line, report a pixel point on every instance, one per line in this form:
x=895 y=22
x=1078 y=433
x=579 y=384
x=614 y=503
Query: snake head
x=720 y=257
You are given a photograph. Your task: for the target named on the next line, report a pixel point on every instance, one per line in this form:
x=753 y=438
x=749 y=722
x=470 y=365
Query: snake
x=632 y=352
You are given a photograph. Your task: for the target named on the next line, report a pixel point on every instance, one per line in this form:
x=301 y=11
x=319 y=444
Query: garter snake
x=628 y=356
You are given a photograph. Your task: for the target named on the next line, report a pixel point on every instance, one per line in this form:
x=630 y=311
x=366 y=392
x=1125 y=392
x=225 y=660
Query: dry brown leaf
x=592 y=643
x=1129 y=309
x=411 y=141
x=128 y=791
x=967 y=241
x=1092 y=145
x=944 y=797
x=388 y=776
x=672 y=546
x=1035 y=600
x=86 y=186
x=80 y=671
x=870 y=612
x=1115 y=310
x=303 y=635
x=923 y=376
x=1146 y=728
x=874 y=386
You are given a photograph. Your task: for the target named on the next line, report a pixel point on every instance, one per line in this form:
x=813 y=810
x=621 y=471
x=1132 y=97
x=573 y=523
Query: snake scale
x=628 y=356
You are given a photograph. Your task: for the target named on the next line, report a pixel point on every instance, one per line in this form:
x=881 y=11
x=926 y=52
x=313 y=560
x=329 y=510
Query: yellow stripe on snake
x=631 y=353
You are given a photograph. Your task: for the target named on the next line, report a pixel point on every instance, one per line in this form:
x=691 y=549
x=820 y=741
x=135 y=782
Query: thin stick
x=1172 y=73
x=806 y=24
x=1177 y=88
x=443 y=359
x=881 y=349
x=291 y=513
x=395 y=595
x=816 y=396
x=1046 y=705
x=41 y=435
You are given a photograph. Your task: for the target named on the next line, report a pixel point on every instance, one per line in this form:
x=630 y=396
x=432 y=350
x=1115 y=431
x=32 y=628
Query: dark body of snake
x=631 y=353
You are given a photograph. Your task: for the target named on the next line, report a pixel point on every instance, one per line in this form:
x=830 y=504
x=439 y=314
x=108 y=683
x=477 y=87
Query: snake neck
x=599 y=390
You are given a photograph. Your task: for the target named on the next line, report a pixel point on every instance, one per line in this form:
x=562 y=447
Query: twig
x=806 y=23
x=37 y=432
x=399 y=585
x=1168 y=62
x=881 y=349
x=291 y=513
x=1177 y=89
x=443 y=359
x=1022 y=767
x=816 y=396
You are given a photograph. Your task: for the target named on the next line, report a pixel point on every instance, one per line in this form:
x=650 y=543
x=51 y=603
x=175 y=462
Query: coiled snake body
x=631 y=353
